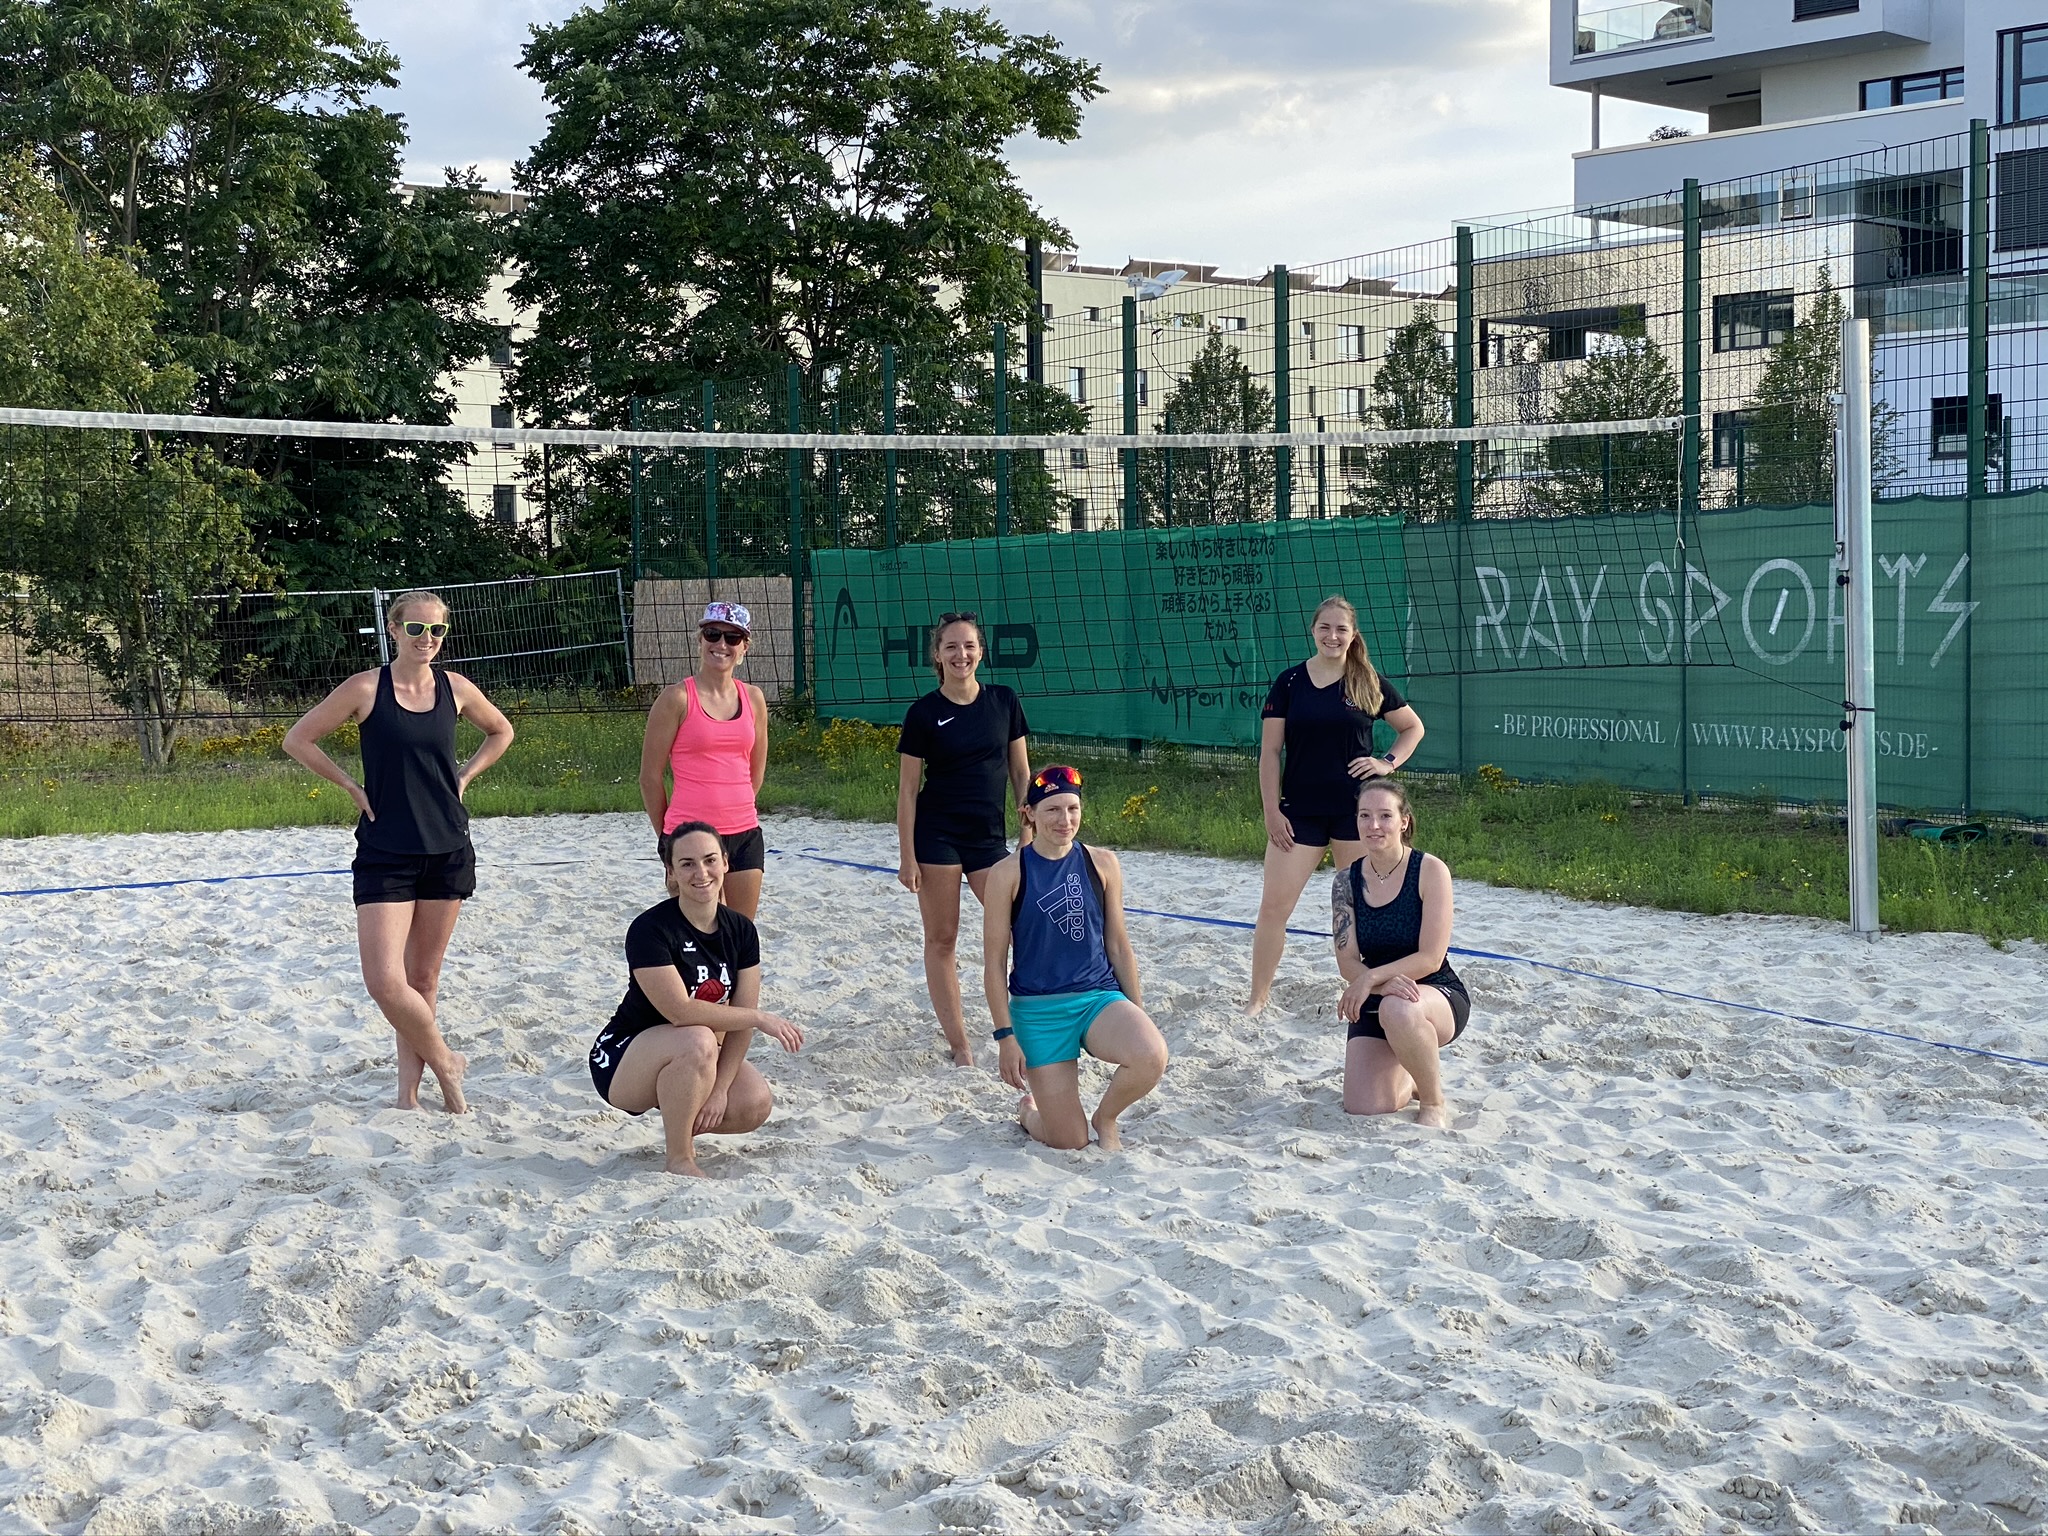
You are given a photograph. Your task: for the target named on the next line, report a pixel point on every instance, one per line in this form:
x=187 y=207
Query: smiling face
x=1383 y=826
x=1057 y=818
x=696 y=868
x=426 y=645
x=721 y=647
x=958 y=651
x=1333 y=632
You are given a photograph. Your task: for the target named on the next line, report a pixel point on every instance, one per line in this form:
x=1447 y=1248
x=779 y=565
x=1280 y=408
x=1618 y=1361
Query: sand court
x=1681 y=1268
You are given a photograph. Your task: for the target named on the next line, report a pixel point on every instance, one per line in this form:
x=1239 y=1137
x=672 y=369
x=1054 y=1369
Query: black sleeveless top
x=409 y=775
x=1394 y=931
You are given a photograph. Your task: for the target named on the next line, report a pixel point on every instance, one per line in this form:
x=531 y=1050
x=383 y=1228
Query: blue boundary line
x=1189 y=917
x=1549 y=965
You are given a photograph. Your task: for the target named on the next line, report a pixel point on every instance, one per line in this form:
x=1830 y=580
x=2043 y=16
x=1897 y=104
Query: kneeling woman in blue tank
x=678 y=1042
x=1074 y=985
x=1390 y=915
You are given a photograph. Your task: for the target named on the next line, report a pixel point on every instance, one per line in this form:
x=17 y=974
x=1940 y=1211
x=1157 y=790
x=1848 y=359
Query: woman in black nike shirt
x=678 y=1042
x=1319 y=715
x=961 y=742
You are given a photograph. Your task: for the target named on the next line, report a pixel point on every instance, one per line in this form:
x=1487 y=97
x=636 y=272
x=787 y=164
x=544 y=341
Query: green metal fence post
x=889 y=454
x=832 y=483
x=1461 y=416
x=797 y=560
x=634 y=407
x=1130 y=455
x=1689 y=465
x=1980 y=409
x=1283 y=458
x=1169 y=469
x=1322 y=475
x=711 y=484
x=1001 y=342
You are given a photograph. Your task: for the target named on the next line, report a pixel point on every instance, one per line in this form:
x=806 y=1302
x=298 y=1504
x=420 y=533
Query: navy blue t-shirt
x=1324 y=733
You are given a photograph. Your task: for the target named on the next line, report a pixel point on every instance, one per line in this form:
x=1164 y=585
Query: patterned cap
x=734 y=614
x=1055 y=779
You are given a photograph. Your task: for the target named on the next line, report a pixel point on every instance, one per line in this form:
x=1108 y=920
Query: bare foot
x=1436 y=1116
x=686 y=1168
x=1256 y=1004
x=451 y=1085
x=408 y=1100
x=1026 y=1108
x=1107 y=1136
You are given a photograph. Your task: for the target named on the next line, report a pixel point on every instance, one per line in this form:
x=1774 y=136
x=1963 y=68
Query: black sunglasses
x=728 y=636
x=418 y=627
x=969 y=617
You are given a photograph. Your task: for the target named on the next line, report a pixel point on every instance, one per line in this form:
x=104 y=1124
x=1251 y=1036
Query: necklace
x=1384 y=874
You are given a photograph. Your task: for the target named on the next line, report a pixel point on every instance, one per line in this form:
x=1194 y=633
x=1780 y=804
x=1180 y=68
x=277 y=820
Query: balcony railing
x=1605 y=28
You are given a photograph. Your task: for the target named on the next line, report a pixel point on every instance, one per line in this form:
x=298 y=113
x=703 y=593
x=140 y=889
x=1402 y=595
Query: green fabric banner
x=1561 y=649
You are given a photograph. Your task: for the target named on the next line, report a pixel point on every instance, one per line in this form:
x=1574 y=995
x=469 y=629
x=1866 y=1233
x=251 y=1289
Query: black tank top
x=1394 y=931
x=409 y=774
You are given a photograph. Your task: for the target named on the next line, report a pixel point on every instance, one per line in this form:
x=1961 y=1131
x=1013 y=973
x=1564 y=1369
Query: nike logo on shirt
x=949 y=719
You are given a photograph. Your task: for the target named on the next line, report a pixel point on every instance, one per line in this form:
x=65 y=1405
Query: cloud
x=1237 y=132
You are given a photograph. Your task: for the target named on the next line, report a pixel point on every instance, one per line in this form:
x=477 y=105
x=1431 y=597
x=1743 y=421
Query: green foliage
x=775 y=181
x=1790 y=439
x=1416 y=387
x=229 y=152
x=1211 y=485
x=114 y=534
x=1632 y=472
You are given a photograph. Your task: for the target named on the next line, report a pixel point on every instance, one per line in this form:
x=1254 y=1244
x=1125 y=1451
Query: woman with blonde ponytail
x=1315 y=748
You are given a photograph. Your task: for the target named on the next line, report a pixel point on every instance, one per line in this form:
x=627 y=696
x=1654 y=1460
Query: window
x=501 y=347
x=1092 y=312
x=1909 y=90
x=1746 y=321
x=1949 y=427
x=505 y=505
x=1077 y=515
x=1351 y=343
x=1358 y=401
x=2023 y=75
x=2022 y=189
x=1312 y=402
x=1231 y=322
x=1308 y=340
x=501 y=416
x=1731 y=443
x=1795 y=198
x=1352 y=460
x=1077 y=385
x=1807 y=10
x=1144 y=388
x=1077 y=458
x=1045 y=311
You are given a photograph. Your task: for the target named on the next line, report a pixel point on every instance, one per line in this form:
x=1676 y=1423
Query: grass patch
x=1593 y=842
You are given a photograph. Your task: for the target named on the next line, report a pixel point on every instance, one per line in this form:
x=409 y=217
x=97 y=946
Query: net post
x=999 y=339
x=1852 y=499
x=1322 y=476
x=1688 y=460
x=889 y=454
x=1283 y=458
x=1130 y=455
x=1034 y=333
x=1169 y=468
x=1980 y=407
x=383 y=635
x=633 y=415
x=795 y=381
x=625 y=626
x=1461 y=410
x=711 y=486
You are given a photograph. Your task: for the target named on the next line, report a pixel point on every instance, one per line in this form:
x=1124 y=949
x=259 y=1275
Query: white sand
x=1681 y=1269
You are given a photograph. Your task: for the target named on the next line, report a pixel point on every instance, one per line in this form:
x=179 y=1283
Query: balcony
x=1607 y=28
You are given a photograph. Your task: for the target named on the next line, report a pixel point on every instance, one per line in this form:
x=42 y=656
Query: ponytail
x=1361 y=679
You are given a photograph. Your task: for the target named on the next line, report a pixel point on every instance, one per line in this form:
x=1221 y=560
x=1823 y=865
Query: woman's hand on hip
x=361 y=796
x=1370 y=767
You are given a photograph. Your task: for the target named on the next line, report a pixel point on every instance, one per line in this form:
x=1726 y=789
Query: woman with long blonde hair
x=1315 y=749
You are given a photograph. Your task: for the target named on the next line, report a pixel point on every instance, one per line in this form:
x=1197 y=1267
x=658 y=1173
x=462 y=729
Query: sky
x=1225 y=136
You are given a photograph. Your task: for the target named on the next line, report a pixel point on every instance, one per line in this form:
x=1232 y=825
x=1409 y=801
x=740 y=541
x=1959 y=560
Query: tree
x=1790 y=433
x=230 y=154
x=1630 y=472
x=115 y=534
x=1416 y=387
x=735 y=185
x=1180 y=486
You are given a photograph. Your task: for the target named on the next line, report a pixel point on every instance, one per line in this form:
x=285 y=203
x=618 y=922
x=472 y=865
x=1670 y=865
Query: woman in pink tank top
x=705 y=751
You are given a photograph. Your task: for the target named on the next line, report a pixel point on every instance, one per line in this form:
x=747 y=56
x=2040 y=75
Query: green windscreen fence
x=1704 y=658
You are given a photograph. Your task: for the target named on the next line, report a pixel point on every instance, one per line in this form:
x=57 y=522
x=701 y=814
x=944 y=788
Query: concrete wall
x=665 y=616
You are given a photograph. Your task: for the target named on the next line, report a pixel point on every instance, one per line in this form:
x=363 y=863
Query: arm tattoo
x=1340 y=912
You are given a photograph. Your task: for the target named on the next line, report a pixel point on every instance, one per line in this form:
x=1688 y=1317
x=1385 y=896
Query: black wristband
x=1003 y=1034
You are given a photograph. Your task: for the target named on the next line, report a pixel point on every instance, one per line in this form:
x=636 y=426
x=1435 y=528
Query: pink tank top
x=713 y=764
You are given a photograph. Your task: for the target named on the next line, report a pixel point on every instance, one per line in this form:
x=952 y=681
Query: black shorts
x=1321 y=831
x=971 y=850
x=744 y=851
x=607 y=1051
x=1368 y=1025
x=414 y=876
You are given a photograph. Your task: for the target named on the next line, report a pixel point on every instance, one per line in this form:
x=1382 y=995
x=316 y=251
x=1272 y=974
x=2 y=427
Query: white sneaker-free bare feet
x=1107 y=1136
x=451 y=1085
x=1436 y=1116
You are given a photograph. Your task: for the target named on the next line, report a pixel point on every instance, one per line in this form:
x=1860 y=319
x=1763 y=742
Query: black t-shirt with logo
x=709 y=963
x=966 y=752
x=1324 y=733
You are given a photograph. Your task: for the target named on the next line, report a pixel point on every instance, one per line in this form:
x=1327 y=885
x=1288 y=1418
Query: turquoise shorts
x=1050 y=1029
